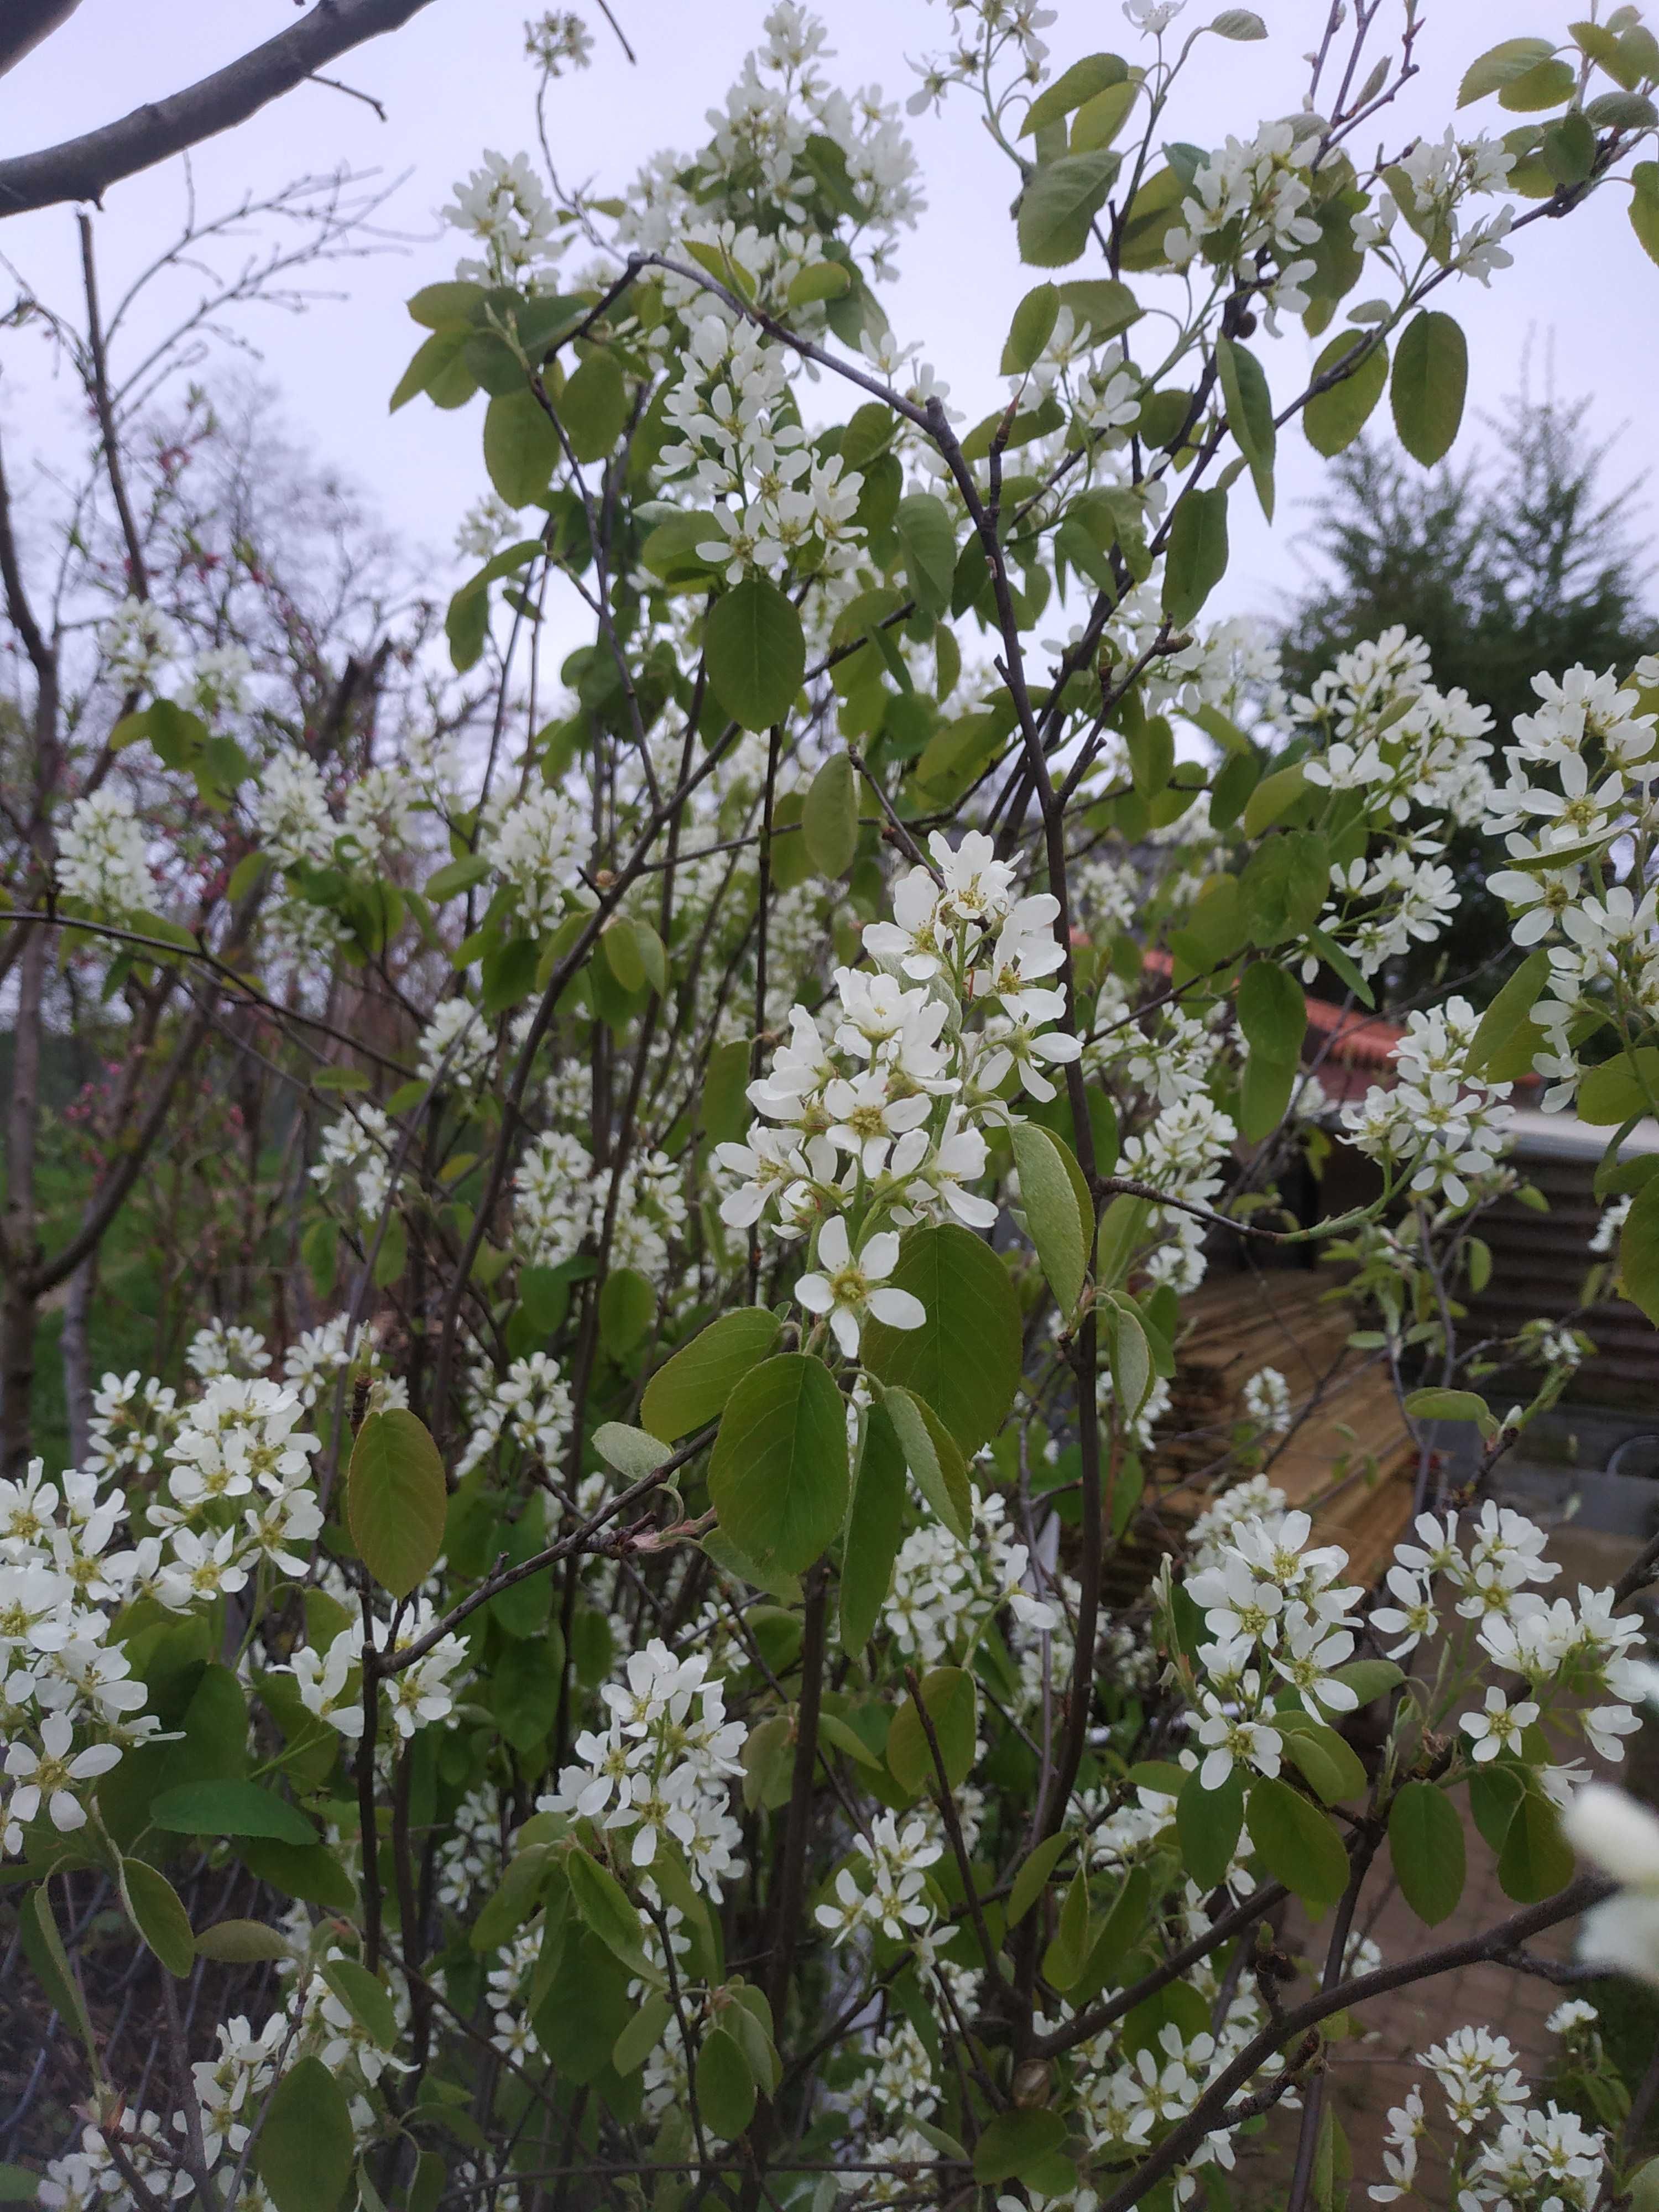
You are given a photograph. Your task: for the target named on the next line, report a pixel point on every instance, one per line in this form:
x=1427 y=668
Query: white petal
x=833 y=1248
x=813 y=1292
x=898 y=1309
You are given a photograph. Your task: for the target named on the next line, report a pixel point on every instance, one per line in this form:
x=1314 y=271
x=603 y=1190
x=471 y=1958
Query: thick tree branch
x=84 y=169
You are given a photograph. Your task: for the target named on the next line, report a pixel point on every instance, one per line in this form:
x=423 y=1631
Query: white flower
x=1622 y=1837
x=49 y=1773
x=1499 y=1728
x=103 y=854
x=851 y=1289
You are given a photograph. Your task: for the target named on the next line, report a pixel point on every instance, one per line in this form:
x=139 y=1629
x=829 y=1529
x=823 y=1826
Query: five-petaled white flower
x=850 y=1288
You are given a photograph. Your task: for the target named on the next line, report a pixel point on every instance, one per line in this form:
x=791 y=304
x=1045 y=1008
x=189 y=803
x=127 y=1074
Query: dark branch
x=84 y=169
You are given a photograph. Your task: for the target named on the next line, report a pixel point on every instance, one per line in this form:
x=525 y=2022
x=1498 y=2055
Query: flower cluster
x=1439 y=1128
x=661 y=1769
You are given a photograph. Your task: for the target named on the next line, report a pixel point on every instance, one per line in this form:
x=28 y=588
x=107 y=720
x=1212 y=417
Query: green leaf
x=313 y=1872
x=1370 y=1679
x=829 y=817
x=366 y=1997
x=1122 y=1227
x=1128 y=1354
x=1500 y=65
x=1569 y=148
x=1273 y=796
x=928 y=540
x=632 y=1452
x=1208 y=1822
x=875 y=1529
x=1033 y=1876
x=242 y=1943
x=777 y=1475
x=1100 y=119
x=1505 y=1018
x=690 y=1389
x=947 y=1693
x=1284 y=886
x=1059 y=203
x=756 y=653
x=230 y=1809
x=1071 y=88
x=305 y=2149
x=1546 y=84
x=964 y=1360
x=1332 y=419
x=1452 y=1406
x=822 y=280
x=725 y=1104
x=18 y=2185
x=437 y=368
x=1426 y=1842
x=434 y=305
x=725 y=2087
x=1031 y=330
x=520 y=446
x=593 y=407
x=1014 y=2144
x=1250 y=414
x=1536 y=1860
x=1620 y=1089
x=396 y=1500
x=159 y=1917
x=1152 y=213
x=1638 y=1250
x=1196 y=558
x=1430 y=376
x=467 y=625
x=1273 y=1011
x=1644 y=207
x=1238 y=23
x=43 y=1947
x=1063 y=1960
x=609 y=1911
x=1057 y=1209
x=524 y=1689
x=621 y=947
x=1296 y=1843
x=1330 y=1767
x=628 y=1306
x=1100 y=305
x=934 y=1458
x=642 y=2034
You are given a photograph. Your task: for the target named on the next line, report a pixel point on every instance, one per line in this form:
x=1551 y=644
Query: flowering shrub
x=605 y=1689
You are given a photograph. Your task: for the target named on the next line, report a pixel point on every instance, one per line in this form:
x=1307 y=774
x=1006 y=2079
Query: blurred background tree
x=1529 y=557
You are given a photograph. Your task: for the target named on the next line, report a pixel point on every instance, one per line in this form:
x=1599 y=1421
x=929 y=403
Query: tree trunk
x=21 y=1221
x=75 y=1351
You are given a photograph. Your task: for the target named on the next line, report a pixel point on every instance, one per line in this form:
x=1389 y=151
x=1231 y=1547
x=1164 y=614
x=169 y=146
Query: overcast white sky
x=454 y=81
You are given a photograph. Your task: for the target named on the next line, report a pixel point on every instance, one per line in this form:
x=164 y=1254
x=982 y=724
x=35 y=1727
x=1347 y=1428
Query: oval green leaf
x=230 y=1809
x=829 y=817
x=1057 y=1211
x=1430 y=376
x=963 y=1361
x=395 y=1499
x=305 y=2149
x=777 y=1474
x=1426 y=1842
x=159 y=1917
x=756 y=653
x=692 y=1387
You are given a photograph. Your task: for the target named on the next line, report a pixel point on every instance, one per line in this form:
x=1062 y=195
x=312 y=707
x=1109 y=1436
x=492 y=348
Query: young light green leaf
x=1452 y=1406
x=593 y=407
x=43 y=1947
x=690 y=1389
x=242 y=1943
x=1129 y=1354
x=1430 y=376
x=829 y=816
x=642 y=2034
x=1101 y=117
x=607 y=1907
x=777 y=1475
x=755 y=651
x=1031 y=330
x=1507 y=1016
x=396 y=1500
x=1638 y=1251
x=630 y=1451
x=1057 y=1209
